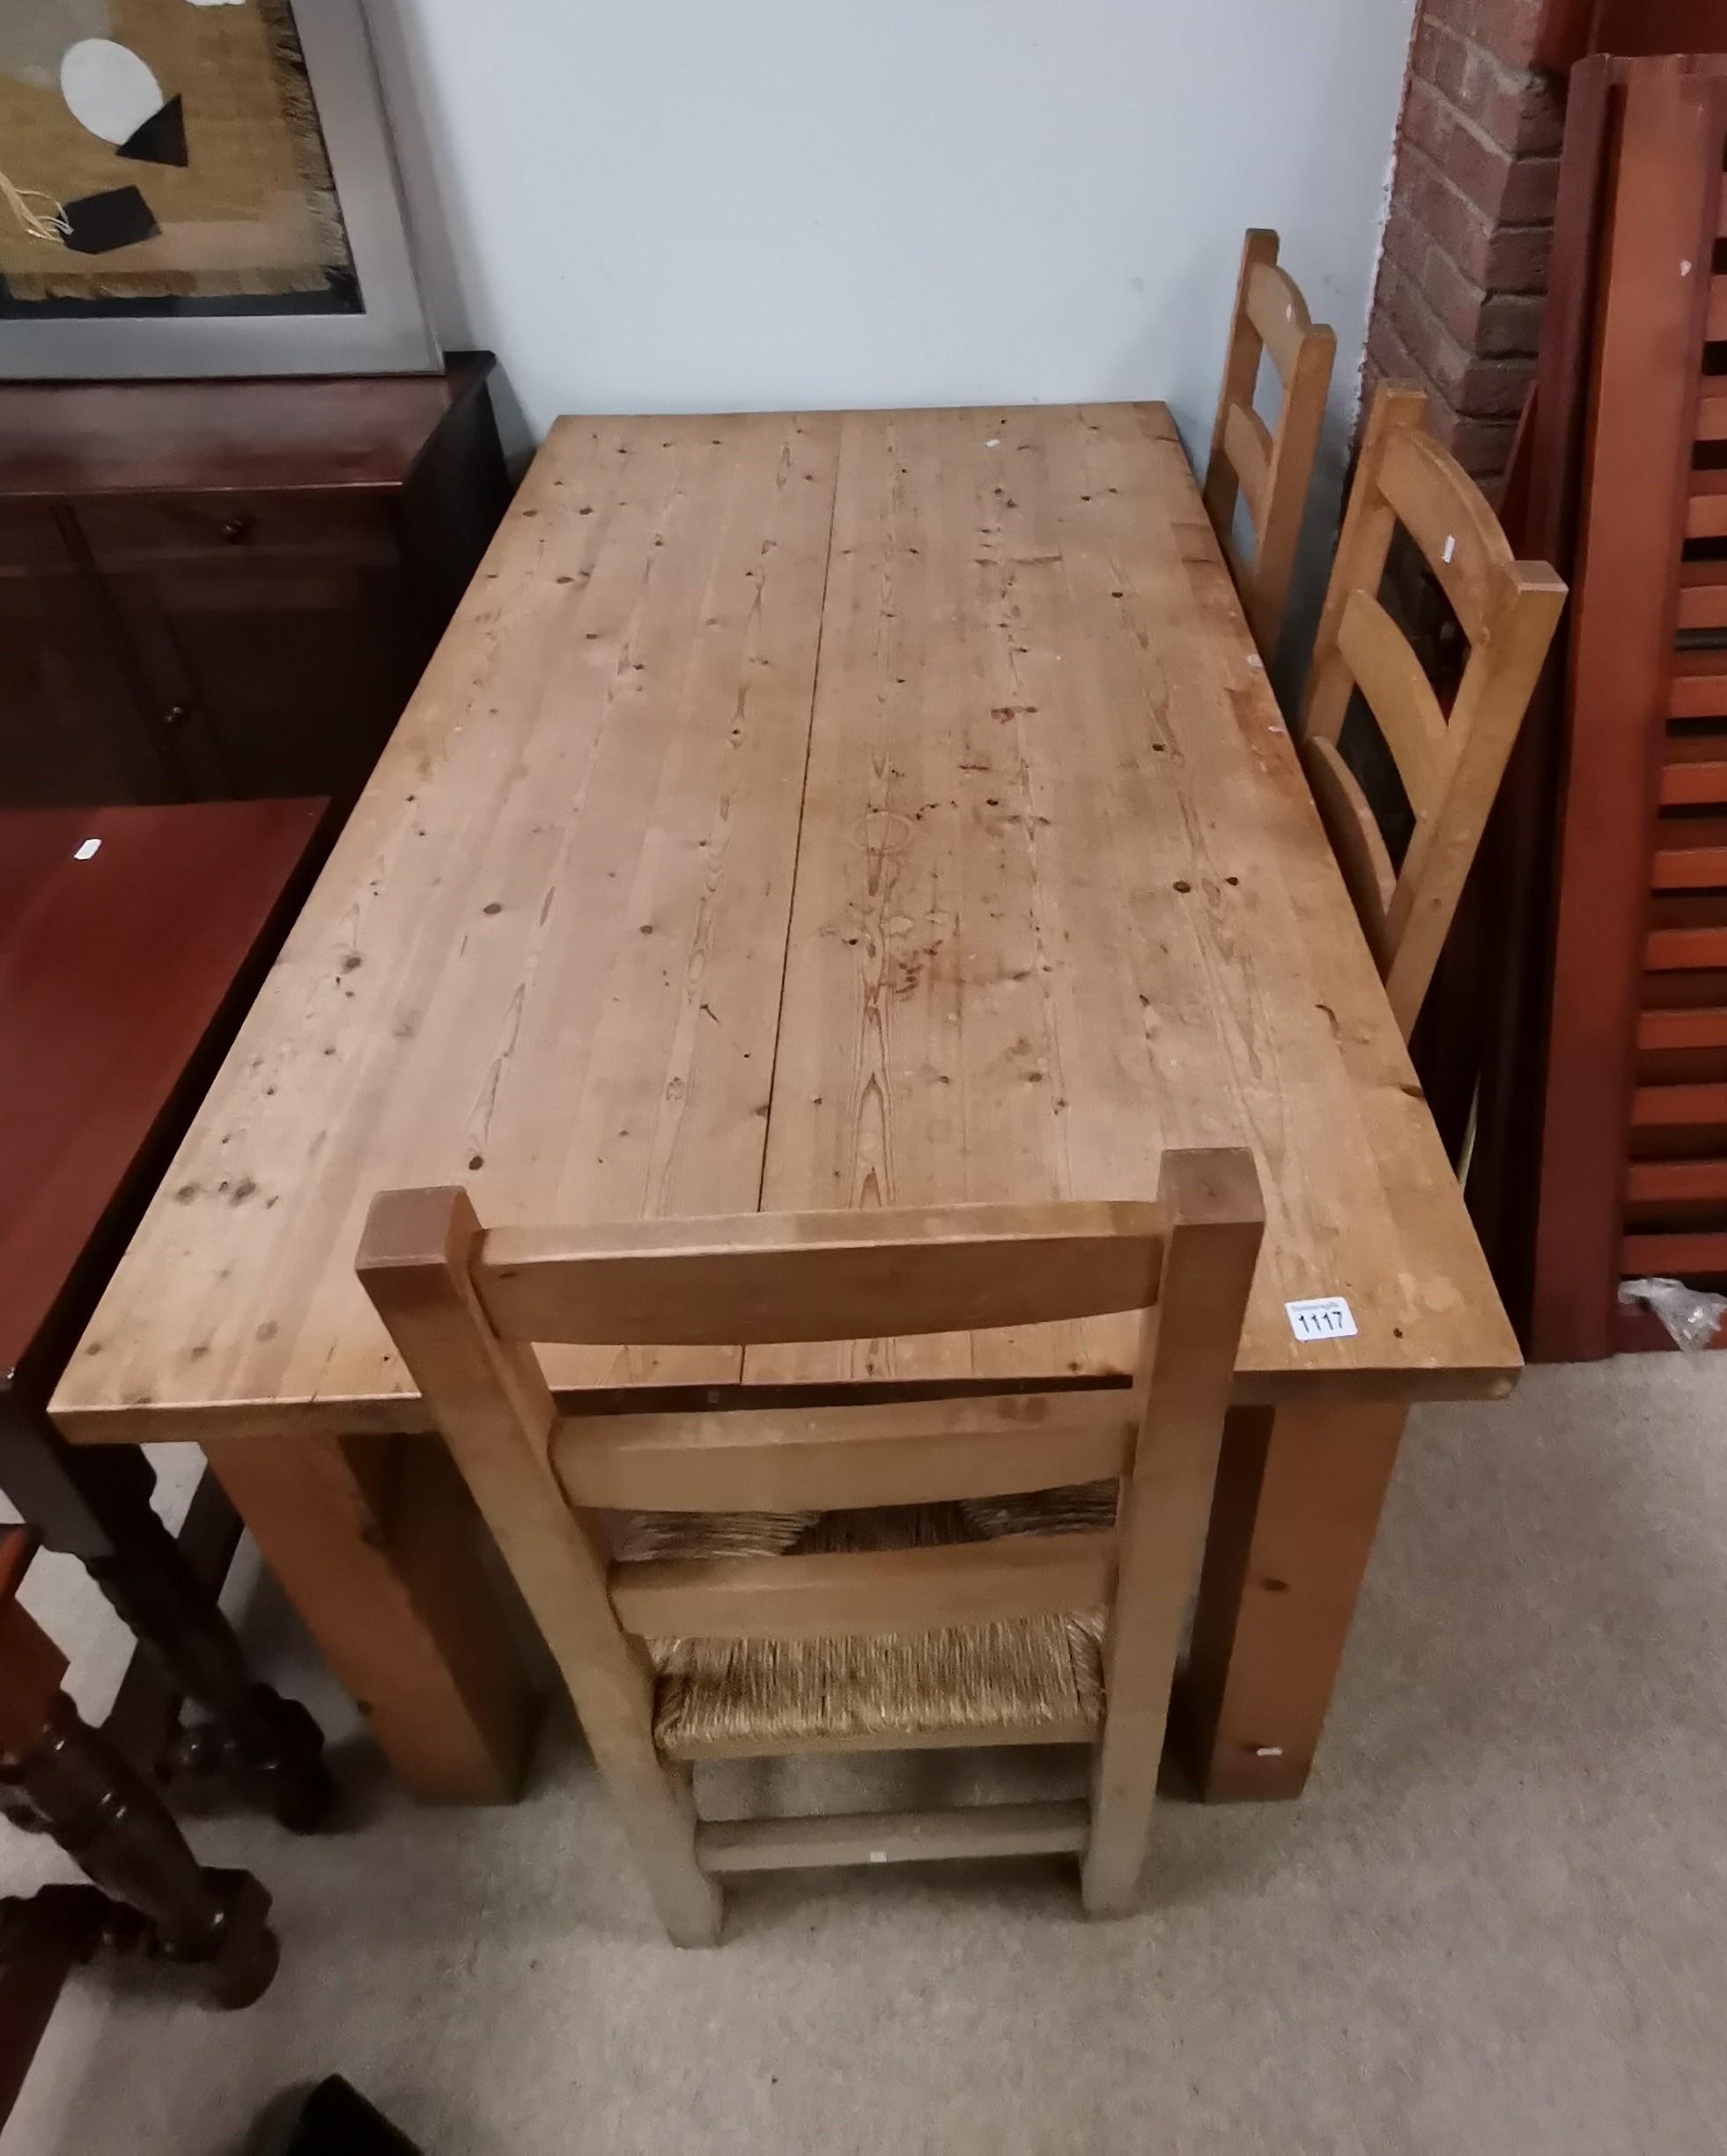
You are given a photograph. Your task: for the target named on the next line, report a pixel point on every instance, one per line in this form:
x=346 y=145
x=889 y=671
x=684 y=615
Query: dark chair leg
x=122 y=1837
x=95 y=1505
x=110 y=1821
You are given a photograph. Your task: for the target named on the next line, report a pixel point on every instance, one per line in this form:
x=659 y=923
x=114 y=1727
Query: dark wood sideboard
x=222 y=590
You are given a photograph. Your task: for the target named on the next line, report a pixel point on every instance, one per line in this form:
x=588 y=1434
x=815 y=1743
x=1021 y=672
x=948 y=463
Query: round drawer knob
x=236 y=529
x=176 y=715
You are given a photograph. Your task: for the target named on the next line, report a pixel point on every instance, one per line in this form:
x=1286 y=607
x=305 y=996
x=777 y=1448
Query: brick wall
x=1457 y=306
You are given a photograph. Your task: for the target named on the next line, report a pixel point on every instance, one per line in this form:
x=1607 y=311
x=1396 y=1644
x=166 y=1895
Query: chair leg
x=656 y=1803
x=1124 y=1797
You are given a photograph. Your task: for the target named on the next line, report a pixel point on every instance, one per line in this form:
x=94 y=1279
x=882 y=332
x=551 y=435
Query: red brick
x=1406 y=242
x=1440 y=57
x=1448 y=216
x=1478 y=385
x=1523 y=110
x=1388 y=352
x=1516 y=259
x=1429 y=121
x=1507 y=189
x=1531 y=191
x=1511 y=324
x=1455 y=298
x=1508 y=28
x=1482 y=446
x=1490 y=388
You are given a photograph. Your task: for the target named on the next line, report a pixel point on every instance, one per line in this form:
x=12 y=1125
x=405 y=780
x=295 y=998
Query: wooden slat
x=792 y=1459
x=1677 y=1182
x=1279 y=313
x=1447 y=517
x=1686 y=933
x=1389 y=676
x=1712 y=405
x=1699 y=688
x=747 y=1742
x=1703 y=593
x=1702 y=1027
x=874 y=1591
x=725 y=1846
x=1248 y=445
x=1702 y=1106
x=1690 y=854
x=821 y=1276
x=1717 y=328
x=1355 y=836
x=1694 y=772
x=1674 y=1254
x=1706 y=508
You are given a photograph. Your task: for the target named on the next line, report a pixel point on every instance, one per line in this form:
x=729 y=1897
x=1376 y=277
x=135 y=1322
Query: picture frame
x=382 y=328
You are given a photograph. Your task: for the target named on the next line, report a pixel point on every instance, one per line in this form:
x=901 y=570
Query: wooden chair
x=1449 y=764
x=1271 y=472
x=756 y=1581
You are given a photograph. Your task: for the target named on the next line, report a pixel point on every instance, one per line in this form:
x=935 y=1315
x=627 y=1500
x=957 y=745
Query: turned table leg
x=377 y=1544
x=94 y=1504
x=113 y=1826
x=1299 y=1494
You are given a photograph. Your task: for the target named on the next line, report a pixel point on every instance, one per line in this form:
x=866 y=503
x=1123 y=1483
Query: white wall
x=683 y=205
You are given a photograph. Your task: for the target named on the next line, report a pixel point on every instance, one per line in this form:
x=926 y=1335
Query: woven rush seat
x=1019 y=1680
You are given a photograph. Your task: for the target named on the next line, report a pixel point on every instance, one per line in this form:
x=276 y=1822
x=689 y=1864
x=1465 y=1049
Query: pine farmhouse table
x=844 y=809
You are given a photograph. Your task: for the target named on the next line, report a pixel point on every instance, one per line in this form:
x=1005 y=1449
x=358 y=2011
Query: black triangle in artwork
x=161 y=140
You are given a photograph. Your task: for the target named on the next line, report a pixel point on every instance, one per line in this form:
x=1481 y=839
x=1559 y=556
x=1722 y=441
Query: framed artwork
x=199 y=186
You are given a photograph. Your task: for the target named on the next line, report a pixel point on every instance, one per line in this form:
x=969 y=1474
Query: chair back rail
x=1450 y=766
x=1268 y=470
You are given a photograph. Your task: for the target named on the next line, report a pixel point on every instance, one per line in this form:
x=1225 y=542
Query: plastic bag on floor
x=1691 y=1316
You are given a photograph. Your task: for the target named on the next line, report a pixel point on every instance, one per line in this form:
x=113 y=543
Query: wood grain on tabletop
x=1061 y=899
x=544 y=958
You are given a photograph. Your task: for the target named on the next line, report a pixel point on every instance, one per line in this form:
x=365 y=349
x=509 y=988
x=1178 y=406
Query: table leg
x=1299 y=1494
x=377 y=1544
x=94 y=1504
x=115 y=1828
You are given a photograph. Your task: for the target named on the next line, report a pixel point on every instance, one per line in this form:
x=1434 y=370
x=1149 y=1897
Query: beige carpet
x=1497 y=1924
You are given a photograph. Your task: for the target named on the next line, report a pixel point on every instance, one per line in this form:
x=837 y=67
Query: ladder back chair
x=1449 y=764
x=1271 y=472
x=1010 y=1567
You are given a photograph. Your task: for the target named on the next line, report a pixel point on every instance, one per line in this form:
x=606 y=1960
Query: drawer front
x=355 y=529
x=30 y=538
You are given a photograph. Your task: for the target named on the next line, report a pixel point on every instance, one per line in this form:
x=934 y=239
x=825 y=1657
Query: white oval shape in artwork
x=108 y=88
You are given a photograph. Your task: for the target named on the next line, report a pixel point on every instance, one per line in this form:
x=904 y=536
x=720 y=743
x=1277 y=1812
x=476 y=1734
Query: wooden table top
x=115 y=971
x=814 y=811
